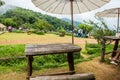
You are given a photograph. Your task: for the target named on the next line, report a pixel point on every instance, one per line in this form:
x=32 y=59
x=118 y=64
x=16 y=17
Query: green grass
x=41 y=62
x=20 y=65
x=94 y=50
x=8 y=51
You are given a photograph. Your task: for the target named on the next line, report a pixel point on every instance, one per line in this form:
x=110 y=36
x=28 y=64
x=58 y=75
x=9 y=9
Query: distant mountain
x=5 y=8
x=68 y=20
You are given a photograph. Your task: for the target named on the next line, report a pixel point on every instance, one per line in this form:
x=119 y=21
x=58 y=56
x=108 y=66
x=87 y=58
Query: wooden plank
x=111 y=38
x=85 y=76
x=56 y=74
x=44 y=49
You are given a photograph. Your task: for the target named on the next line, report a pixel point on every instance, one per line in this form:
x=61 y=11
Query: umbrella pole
x=71 y=1
x=118 y=20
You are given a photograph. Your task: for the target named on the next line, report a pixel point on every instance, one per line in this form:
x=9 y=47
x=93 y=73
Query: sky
x=77 y=17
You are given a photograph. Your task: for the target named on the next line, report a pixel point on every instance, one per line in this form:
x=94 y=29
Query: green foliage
x=100 y=29
x=62 y=32
x=96 y=49
x=13 y=65
x=11 y=50
x=87 y=28
x=99 y=33
x=40 y=33
x=92 y=48
x=24 y=18
x=57 y=23
x=9 y=22
x=91 y=45
x=68 y=34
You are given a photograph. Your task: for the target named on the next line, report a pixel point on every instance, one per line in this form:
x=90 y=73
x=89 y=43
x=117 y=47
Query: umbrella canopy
x=114 y=12
x=69 y=7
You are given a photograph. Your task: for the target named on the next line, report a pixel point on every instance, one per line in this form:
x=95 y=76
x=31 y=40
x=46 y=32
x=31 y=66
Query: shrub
x=40 y=33
x=93 y=50
x=62 y=32
x=93 y=45
x=68 y=34
x=18 y=31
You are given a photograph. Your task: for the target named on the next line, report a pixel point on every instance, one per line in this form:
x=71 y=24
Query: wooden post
x=103 y=50
x=29 y=67
x=118 y=21
x=71 y=62
x=115 y=48
x=71 y=1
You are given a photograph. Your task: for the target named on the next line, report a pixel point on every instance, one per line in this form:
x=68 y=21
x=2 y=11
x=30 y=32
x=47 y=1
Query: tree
x=100 y=29
x=42 y=25
x=9 y=22
x=26 y=25
x=87 y=28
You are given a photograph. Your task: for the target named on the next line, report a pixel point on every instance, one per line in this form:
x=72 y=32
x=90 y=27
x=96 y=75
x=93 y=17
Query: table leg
x=71 y=62
x=115 y=48
x=103 y=50
x=29 y=67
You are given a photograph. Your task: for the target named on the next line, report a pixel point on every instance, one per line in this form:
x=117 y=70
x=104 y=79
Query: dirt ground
x=102 y=71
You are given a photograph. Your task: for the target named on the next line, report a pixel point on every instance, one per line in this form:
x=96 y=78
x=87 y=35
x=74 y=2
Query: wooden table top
x=44 y=49
x=111 y=38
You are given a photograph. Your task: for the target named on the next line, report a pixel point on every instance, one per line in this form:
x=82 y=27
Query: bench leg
x=103 y=50
x=71 y=62
x=29 y=67
x=115 y=48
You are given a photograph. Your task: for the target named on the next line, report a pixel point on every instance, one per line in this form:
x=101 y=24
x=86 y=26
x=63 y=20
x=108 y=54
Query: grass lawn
x=102 y=71
x=23 y=38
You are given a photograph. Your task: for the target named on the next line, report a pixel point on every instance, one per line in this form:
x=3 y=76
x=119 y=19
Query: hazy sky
x=84 y=16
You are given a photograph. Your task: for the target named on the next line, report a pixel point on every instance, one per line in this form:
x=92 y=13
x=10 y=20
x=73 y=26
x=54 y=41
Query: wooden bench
x=85 y=76
x=45 y=49
x=109 y=38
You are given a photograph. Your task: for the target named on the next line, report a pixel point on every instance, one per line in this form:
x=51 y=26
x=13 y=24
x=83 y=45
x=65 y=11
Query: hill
x=76 y=23
x=25 y=18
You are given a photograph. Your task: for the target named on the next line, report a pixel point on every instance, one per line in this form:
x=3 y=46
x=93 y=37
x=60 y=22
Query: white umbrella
x=114 y=12
x=69 y=7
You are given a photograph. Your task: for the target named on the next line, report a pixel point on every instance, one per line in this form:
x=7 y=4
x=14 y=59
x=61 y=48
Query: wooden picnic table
x=45 y=49
x=109 y=38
